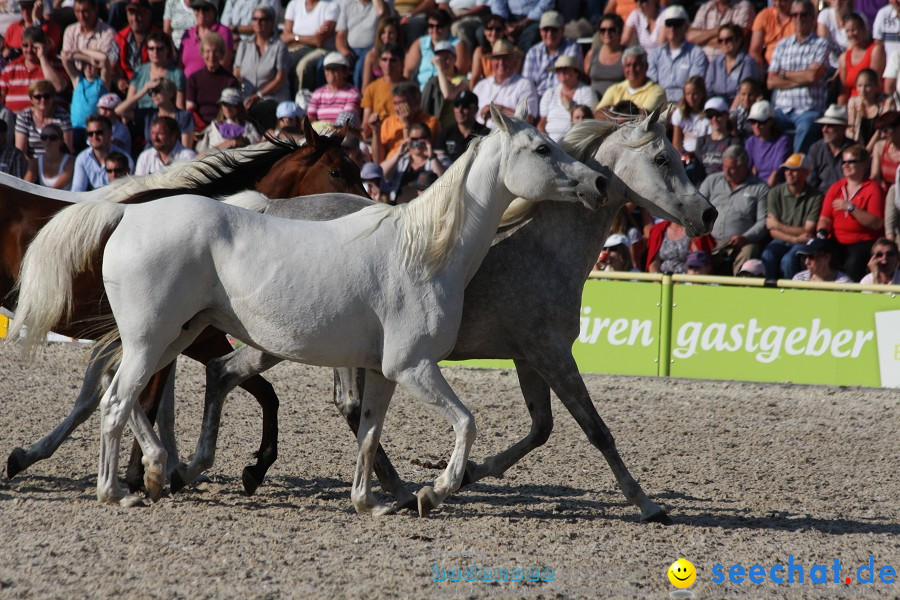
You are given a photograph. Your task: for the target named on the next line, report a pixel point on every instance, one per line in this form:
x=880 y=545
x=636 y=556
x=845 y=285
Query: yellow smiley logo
x=682 y=573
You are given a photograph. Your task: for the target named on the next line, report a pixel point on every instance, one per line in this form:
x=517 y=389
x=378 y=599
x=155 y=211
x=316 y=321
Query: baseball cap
x=716 y=103
x=445 y=46
x=616 y=239
x=110 y=101
x=205 y=4
x=371 y=171
x=674 y=12
x=466 y=98
x=288 y=108
x=551 y=18
x=137 y=4
x=697 y=258
x=813 y=247
x=336 y=59
x=753 y=267
x=230 y=96
x=796 y=161
x=760 y=111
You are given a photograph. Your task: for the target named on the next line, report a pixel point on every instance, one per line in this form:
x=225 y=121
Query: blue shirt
x=724 y=84
x=673 y=73
x=531 y=9
x=89 y=173
x=538 y=65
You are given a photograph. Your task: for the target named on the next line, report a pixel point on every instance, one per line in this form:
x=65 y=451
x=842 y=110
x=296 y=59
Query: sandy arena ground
x=750 y=474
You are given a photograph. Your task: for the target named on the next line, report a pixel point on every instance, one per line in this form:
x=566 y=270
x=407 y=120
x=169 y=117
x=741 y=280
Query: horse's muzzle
x=593 y=197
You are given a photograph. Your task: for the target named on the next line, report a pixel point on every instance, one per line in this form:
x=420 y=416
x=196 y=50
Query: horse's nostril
x=709 y=217
x=601 y=185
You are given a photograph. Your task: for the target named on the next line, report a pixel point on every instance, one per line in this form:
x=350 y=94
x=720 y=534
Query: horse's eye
x=336 y=173
x=661 y=160
x=543 y=149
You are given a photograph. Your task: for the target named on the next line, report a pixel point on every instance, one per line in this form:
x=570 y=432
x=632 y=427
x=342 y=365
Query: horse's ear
x=522 y=109
x=312 y=138
x=340 y=133
x=499 y=118
x=653 y=117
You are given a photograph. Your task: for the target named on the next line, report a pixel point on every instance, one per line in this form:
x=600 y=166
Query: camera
x=417 y=144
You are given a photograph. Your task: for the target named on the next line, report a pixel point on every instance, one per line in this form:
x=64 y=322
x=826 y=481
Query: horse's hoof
x=428 y=500
x=177 y=481
x=385 y=509
x=661 y=517
x=15 y=464
x=134 y=481
x=131 y=501
x=249 y=480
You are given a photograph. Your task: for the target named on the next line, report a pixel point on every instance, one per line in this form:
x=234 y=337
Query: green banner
x=801 y=336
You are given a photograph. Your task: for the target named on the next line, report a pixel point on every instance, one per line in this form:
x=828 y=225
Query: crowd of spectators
x=787 y=116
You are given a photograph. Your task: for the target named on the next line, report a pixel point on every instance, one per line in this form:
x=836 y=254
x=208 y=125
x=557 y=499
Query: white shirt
x=149 y=161
x=506 y=94
x=692 y=127
x=559 y=119
x=887 y=29
x=308 y=23
x=869 y=278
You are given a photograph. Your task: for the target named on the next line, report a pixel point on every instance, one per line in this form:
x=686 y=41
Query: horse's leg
x=151 y=399
x=537 y=399
x=566 y=381
x=165 y=420
x=377 y=396
x=426 y=381
x=212 y=344
x=85 y=404
x=154 y=455
x=222 y=375
x=349 y=386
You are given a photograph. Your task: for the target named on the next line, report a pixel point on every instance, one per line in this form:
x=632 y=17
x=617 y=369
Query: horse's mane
x=581 y=142
x=218 y=172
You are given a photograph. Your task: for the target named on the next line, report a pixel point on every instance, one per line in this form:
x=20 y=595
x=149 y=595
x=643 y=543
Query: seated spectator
x=44 y=110
x=231 y=128
x=117 y=165
x=832 y=22
x=740 y=198
x=689 y=120
x=148 y=75
x=205 y=86
x=309 y=34
x=377 y=98
x=615 y=255
x=862 y=53
x=442 y=89
x=673 y=63
x=770 y=26
x=403 y=167
x=238 y=16
x=752 y=268
x=730 y=67
x=261 y=65
x=206 y=14
x=864 y=108
x=88 y=32
x=505 y=87
x=53 y=167
x=494 y=29
x=424 y=180
x=129 y=48
x=793 y=210
x=668 y=247
x=825 y=155
x=163 y=96
x=418 y=57
x=817 y=256
x=883 y=264
x=455 y=139
x=886 y=26
x=178 y=17
x=288 y=114
x=853 y=211
x=541 y=58
x=892 y=215
x=12 y=161
x=637 y=87
x=797 y=76
x=90 y=164
x=388 y=135
x=337 y=95
x=699 y=262
x=711 y=146
x=32 y=14
x=355 y=32
x=712 y=15
x=387 y=32
x=633 y=222
x=767 y=147
x=37 y=63
x=749 y=92
x=106 y=106
x=603 y=63
x=372 y=175
x=580 y=112
x=557 y=102
x=886 y=151
x=643 y=26
x=522 y=28
x=165 y=148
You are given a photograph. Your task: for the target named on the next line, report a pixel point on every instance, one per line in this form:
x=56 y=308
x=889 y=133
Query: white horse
x=380 y=289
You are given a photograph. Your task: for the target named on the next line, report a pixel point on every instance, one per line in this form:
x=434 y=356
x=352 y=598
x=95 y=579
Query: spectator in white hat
x=673 y=63
x=721 y=135
x=337 y=95
x=442 y=89
x=418 y=57
x=615 y=255
x=231 y=128
x=505 y=87
x=825 y=155
x=288 y=114
x=557 y=102
x=106 y=106
x=540 y=60
x=767 y=147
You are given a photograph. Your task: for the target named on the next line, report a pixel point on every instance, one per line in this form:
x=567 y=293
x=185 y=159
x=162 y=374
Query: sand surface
x=750 y=474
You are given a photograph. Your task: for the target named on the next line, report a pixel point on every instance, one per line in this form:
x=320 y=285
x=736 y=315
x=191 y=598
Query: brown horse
x=280 y=170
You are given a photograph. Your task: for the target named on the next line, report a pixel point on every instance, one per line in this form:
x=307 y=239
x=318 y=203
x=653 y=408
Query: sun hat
x=445 y=46
x=836 y=114
x=230 y=96
x=371 y=172
x=716 y=103
x=760 y=111
x=551 y=18
x=616 y=239
x=288 y=108
x=336 y=59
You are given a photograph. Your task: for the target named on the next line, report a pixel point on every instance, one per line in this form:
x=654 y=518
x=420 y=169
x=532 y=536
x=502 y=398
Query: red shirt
x=50 y=29
x=847 y=230
x=15 y=79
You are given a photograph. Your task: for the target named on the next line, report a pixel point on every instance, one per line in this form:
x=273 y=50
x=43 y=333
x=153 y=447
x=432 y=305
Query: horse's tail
x=68 y=245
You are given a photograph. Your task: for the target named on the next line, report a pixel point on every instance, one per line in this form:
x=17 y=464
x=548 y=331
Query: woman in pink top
x=336 y=96
x=206 y=13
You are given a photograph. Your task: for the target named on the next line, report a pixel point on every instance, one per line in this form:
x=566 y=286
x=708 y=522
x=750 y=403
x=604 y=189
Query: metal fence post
x=665 y=326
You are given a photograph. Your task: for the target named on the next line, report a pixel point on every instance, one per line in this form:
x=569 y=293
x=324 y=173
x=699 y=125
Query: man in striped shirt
x=37 y=62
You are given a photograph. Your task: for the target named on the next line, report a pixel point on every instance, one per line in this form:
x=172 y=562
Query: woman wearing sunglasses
x=604 y=60
x=420 y=54
x=494 y=29
x=163 y=95
x=727 y=70
x=146 y=76
x=54 y=167
x=43 y=111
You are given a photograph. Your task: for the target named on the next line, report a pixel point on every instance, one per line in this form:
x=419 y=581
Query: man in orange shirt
x=377 y=98
x=394 y=130
x=771 y=25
